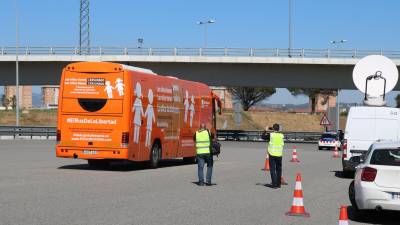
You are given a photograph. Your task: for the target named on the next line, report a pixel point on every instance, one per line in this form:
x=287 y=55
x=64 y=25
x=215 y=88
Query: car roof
x=386 y=144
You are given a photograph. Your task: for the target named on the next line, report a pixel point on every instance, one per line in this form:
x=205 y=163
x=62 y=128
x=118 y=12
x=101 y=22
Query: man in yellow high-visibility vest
x=275 y=151
x=202 y=138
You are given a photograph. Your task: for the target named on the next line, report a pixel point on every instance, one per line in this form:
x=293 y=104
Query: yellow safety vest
x=202 y=142
x=275 y=145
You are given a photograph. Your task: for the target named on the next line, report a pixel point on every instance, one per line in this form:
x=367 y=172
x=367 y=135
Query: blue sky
x=366 y=24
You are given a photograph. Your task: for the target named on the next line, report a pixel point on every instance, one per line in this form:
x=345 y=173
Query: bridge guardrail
x=255 y=135
x=171 y=51
x=230 y=135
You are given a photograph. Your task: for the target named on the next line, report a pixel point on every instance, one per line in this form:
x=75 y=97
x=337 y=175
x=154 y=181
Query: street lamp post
x=336 y=44
x=205 y=23
x=290 y=29
x=16 y=64
x=140 y=42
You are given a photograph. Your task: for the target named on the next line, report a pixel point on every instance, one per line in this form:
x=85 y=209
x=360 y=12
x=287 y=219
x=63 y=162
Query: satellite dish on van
x=375 y=75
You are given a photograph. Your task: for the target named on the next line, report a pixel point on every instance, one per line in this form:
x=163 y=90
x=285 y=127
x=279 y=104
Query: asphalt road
x=38 y=188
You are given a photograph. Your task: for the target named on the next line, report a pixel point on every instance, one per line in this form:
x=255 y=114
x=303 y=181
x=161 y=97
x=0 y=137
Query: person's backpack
x=215 y=148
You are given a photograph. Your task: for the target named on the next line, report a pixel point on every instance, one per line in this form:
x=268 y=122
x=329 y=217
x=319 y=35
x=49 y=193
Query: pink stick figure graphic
x=109 y=89
x=119 y=86
x=191 y=109
x=149 y=114
x=137 y=109
x=186 y=104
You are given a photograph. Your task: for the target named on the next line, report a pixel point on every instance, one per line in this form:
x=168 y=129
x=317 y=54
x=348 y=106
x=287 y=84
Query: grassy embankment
x=250 y=120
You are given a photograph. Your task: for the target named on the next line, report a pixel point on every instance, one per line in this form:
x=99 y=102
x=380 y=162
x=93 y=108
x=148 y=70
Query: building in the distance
x=25 y=95
x=225 y=96
x=324 y=102
x=50 y=96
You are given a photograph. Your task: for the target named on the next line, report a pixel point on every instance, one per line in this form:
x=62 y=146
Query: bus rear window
x=92 y=104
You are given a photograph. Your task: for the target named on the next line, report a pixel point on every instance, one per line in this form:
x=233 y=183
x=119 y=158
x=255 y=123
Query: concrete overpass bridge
x=255 y=67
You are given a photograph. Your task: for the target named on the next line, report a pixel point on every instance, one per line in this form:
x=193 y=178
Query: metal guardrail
x=230 y=135
x=238 y=52
x=27 y=131
x=255 y=135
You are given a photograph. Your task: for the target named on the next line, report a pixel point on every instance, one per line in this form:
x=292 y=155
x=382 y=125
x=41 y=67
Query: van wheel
x=155 y=155
x=98 y=163
x=189 y=160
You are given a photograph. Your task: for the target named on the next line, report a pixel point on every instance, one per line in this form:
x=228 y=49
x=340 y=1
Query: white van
x=365 y=125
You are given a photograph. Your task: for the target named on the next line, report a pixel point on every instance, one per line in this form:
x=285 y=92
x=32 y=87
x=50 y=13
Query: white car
x=377 y=180
x=328 y=140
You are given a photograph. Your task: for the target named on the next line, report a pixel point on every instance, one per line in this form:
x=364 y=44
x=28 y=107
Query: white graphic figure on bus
x=119 y=86
x=149 y=114
x=191 y=109
x=109 y=89
x=186 y=104
x=138 y=110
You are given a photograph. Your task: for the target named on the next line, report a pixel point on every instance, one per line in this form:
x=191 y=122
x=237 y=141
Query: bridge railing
x=236 y=52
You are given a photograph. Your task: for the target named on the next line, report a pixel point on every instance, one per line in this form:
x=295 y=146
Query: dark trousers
x=275 y=169
x=202 y=159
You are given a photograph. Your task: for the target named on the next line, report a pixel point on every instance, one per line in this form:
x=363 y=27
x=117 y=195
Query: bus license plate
x=89 y=152
x=395 y=196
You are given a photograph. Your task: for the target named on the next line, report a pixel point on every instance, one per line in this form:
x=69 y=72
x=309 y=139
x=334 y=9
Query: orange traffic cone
x=294 y=155
x=283 y=182
x=343 y=218
x=266 y=166
x=336 y=152
x=298 y=205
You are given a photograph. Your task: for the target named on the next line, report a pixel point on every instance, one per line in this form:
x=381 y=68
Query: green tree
x=13 y=102
x=312 y=94
x=250 y=96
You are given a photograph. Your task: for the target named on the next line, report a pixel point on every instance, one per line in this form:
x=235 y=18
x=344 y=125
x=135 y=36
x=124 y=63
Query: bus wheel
x=189 y=160
x=98 y=163
x=155 y=155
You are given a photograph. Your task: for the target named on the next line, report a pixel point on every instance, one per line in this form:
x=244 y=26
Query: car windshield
x=386 y=157
x=328 y=136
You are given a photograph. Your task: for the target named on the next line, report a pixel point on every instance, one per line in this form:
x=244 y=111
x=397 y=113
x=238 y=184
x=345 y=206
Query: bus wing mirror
x=219 y=107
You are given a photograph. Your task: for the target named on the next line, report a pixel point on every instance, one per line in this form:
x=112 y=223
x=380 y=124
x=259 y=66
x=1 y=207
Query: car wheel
x=155 y=155
x=357 y=213
x=352 y=195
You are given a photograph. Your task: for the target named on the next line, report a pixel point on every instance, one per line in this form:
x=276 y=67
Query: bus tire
x=189 y=160
x=155 y=155
x=98 y=163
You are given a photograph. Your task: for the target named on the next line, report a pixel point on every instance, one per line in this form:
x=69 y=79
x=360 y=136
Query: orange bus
x=110 y=111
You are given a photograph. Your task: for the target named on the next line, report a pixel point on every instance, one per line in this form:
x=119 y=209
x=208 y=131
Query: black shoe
x=272 y=186
x=209 y=184
x=201 y=184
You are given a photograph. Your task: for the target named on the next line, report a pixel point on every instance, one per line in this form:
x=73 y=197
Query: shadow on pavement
x=197 y=183
x=374 y=217
x=340 y=174
x=126 y=166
